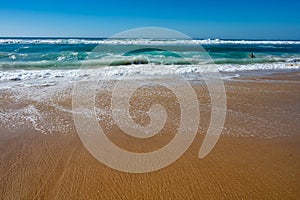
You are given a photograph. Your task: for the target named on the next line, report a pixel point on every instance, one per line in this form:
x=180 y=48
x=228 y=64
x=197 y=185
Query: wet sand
x=256 y=157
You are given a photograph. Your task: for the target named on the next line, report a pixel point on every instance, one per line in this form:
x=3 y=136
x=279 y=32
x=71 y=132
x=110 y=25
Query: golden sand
x=256 y=157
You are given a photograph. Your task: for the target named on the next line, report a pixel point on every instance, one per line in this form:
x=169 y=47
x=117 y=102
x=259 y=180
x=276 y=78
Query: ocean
x=23 y=59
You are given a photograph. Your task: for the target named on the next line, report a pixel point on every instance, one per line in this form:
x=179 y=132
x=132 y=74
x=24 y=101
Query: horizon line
x=102 y=37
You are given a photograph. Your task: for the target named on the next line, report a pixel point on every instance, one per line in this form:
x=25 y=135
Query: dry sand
x=256 y=157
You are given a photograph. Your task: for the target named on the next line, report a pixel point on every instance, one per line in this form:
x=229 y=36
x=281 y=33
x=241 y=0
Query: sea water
x=52 y=59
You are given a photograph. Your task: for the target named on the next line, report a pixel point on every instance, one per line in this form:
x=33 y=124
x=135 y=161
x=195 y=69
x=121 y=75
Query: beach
x=149 y=100
x=256 y=157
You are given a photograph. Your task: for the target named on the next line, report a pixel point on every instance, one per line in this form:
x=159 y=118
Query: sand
x=256 y=157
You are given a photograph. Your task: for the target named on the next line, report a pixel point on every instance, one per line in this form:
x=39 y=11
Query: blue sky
x=235 y=19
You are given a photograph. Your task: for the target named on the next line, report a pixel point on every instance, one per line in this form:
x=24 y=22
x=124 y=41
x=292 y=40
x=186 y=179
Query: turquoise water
x=49 y=53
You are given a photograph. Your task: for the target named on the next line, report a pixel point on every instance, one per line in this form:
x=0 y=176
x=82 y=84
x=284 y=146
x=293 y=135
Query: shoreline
x=257 y=155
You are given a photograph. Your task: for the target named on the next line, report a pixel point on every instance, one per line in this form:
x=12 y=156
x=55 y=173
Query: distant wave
x=131 y=61
x=145 y=41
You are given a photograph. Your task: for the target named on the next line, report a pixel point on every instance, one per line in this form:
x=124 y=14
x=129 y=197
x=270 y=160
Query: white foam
x=30 y=117
x=48 y=77
x=258 y=66
x=145 y=41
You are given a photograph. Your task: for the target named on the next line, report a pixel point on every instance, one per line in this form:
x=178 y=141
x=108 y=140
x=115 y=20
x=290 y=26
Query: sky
x=224 y=19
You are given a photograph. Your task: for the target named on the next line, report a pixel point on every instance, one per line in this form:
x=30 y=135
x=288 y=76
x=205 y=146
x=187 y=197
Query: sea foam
x=144 y=41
